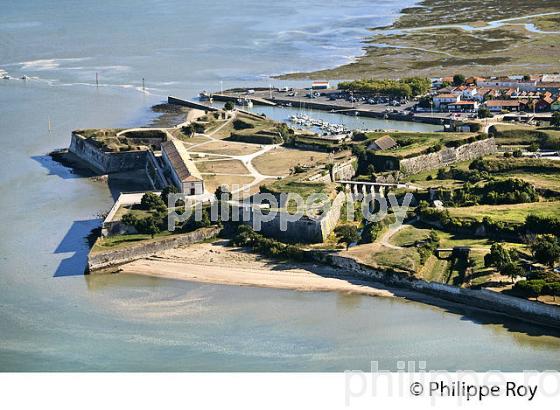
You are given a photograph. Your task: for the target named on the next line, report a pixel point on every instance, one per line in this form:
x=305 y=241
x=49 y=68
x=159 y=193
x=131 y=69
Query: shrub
x=529 y=288
x=247 y=237
x=239 y=124
x=347 y=234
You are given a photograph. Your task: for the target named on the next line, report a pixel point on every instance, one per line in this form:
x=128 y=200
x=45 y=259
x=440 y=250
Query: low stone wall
x=106 y=162
x=523 y=309
x=105 y=259
x=190 y=104
x=448 y=156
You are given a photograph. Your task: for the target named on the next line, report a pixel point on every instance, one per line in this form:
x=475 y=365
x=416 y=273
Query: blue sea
x=53 y=318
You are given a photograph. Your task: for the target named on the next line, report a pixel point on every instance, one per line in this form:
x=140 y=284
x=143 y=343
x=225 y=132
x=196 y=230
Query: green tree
x=170 y=189
x=555 y=119
x=425 y=102
x=346 y=234
x=553 y=288
x=458 y=79
x=150 y=226
x=229 y=106
x=484 y=112
x=512 y=270
x=129 y=220
x=546 y=249
x=188 y=130
x=151 y=201
x=504 y=260
x=204 y=221
x=222 y=193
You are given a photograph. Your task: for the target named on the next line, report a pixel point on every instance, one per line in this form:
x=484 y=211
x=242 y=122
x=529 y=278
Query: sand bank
x=215 y=263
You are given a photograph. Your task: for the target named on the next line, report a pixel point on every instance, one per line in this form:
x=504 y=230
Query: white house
x=508 y=83
x=463 y=106
x=442 y=100
x=469 y=92
x=182 y=170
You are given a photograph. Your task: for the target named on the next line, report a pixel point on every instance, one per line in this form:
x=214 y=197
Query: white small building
x=463 y=106
x=182 y=170
x=320 y=85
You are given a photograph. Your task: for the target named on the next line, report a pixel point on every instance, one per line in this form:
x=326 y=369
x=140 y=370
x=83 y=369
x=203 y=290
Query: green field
x=121 y=241
x=452 y=272
x=507 y=213
x=519 y=134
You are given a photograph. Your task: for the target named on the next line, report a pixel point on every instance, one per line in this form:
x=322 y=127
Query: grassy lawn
x=227 y=148
x=435 y=270
x=281 y=160
x=302 y=188
x=131 y=209
x=408 y=236
x=222 y=167
x=507 y=213
x=380 y=257
x=414 y=143
x=211 y=182
x=541 y=180
x=121 y=241
x=518 y=134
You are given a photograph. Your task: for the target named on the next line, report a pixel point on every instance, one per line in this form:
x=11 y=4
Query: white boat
x=24 y=77
x=6 y=77
x=203 y=96
x=245 y=102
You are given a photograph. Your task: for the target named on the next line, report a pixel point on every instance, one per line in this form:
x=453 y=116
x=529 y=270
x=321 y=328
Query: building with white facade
x=182 y=170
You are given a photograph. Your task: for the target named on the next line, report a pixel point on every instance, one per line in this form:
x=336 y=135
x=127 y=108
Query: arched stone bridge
x=364 y=188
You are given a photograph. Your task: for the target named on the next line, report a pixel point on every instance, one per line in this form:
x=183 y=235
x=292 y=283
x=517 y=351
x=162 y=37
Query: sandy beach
x=218 y=264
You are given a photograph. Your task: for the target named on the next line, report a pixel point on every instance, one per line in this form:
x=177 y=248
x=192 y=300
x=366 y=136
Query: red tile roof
x=502 y=103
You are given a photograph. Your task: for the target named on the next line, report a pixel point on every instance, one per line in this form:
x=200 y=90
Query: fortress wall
x=304 y=230
x=106 y=162
x=330 y=219
x=448 y=156
x=112 y=257
x=527 y=310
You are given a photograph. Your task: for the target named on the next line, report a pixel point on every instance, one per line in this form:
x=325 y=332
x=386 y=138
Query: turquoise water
x=54 y=318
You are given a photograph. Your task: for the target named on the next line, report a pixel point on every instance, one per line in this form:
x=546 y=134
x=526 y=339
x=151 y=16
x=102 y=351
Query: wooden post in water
x=97 y=80
x=143 y=85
